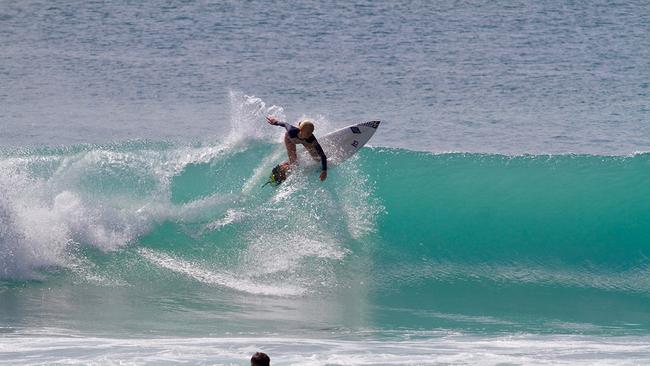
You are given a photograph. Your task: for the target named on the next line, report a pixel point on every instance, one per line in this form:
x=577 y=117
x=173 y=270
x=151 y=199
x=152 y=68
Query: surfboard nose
x=373 y=124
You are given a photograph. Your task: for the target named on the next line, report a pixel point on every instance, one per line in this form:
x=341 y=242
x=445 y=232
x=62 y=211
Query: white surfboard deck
x=342 y=144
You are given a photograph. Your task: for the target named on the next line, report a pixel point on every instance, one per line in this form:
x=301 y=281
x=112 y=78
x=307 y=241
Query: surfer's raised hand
x=323 y=175
x=272 y=120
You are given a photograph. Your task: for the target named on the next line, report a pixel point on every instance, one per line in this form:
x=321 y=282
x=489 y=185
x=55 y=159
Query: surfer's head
x=260 y=359
x=306 y=129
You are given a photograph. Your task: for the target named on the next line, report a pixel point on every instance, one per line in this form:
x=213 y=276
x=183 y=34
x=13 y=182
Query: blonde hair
x=307 y=125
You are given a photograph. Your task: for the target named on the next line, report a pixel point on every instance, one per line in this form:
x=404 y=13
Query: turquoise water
x=402 y=238
x=156 y=239
x=499 y=216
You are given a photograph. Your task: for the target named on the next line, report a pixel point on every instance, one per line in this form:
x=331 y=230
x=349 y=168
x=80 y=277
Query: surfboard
x=338 y=146
x=341 y=144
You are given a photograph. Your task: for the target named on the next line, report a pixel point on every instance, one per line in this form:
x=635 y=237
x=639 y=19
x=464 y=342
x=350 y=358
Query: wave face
x=393 y=239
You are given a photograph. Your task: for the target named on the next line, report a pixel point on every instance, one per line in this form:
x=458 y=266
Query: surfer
x=304 y=135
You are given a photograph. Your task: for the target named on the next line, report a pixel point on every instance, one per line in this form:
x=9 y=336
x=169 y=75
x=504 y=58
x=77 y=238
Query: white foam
x=211 y=277
x=262 y=171
x=440 y=349
x=248 y=118
x=50 y=203
x=230 y=217
x=359 y=206
x=41 y=220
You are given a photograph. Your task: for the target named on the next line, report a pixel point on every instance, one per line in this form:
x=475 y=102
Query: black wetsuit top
x=311 y=144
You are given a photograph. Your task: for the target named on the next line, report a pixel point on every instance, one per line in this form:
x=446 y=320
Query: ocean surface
x=500 y=215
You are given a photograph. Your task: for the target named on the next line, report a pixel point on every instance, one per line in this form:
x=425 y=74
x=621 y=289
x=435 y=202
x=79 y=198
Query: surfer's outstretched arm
x=275 y=122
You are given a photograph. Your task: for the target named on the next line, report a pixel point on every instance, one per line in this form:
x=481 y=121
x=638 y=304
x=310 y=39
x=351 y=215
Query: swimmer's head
x=306 y=129
x=260 y=359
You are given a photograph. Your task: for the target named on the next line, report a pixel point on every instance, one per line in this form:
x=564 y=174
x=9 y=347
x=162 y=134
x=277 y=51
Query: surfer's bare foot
x=323 y=175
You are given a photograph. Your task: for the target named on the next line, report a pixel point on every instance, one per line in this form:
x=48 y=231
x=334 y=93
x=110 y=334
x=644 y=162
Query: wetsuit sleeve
x=323 y=158
x=286 y=126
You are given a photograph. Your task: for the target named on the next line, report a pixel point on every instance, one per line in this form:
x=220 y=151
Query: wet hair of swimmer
x=260 y=359
x=306 y=128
